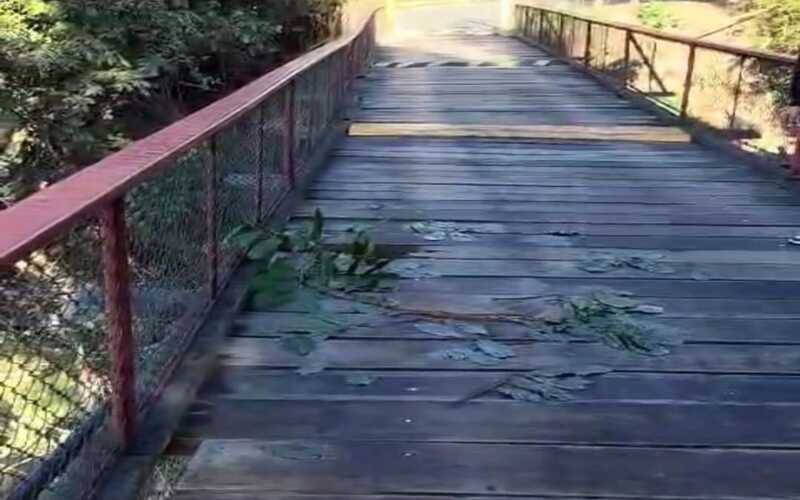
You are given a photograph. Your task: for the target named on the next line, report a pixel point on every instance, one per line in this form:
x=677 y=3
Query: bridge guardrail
x=737 y=91
x=106 y=275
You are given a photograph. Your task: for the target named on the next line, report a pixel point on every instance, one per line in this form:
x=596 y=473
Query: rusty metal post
x=687 y=84
x=587 y=55
x=212 y=243
x=737 y=93
x=627 y=67
x=342 y=58
x=261 y=166
x=289 y=131
x=116 y=279
x=794 y=167
x=528 y=22
x=541 y=26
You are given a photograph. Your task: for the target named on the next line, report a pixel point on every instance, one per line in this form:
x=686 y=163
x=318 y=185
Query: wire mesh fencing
x=93 y=321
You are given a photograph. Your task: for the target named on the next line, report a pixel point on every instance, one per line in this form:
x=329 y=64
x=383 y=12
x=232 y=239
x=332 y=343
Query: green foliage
x=780 y=28
x=79 y=78
x=656 y=14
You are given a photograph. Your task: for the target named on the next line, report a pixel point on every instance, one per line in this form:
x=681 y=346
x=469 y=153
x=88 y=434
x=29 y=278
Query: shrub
x=656 y=14
x=79 y=78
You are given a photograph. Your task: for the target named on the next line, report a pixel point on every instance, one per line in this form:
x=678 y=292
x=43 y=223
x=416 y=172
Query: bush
x=656 y=14
x=780 y=28
x=80 y=78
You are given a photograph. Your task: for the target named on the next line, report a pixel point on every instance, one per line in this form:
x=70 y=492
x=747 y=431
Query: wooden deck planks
x=716 y=418
x=572 y=133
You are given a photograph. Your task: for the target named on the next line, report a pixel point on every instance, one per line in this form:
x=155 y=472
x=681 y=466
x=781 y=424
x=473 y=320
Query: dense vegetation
x=780 y=29
x=656 y=14
x=80 y=78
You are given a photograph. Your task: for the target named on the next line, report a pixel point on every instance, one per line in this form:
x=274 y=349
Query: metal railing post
x=212 y=244
x=122 y=346
x=627 y=65
x=687 y=84
x=541 y=26
x=528 y=22
x=587 y=54
x=289 y=132
x=261 y=166
x=737 y=93
x=561 y=42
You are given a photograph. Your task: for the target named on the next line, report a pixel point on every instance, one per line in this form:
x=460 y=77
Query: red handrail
x=36 y=220
x=670 y=37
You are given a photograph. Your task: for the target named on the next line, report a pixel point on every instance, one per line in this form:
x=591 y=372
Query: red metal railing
x=105 y=276
x=736 y=90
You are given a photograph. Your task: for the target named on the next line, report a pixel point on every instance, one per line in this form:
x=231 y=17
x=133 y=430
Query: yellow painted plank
x=541 y=132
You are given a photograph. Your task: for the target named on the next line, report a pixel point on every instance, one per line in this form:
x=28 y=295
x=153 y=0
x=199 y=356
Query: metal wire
x=55 y=369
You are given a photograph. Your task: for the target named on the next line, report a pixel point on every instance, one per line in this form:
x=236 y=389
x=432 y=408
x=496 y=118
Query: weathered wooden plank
x=269 y=495
x=562 y=207
x=642 y=241
x=384 y=228
x=424 y=355
x=630 y=424
x=541 y=170
x=508 y=118
x=761 y=330
x=384 y=179
x=643 y=288
x=572 y=269
x=224 y=466
x=467 y=193
x=515 y=147
x=244 y=382
x=520 y=216
x=573 y=133
x=786 y=255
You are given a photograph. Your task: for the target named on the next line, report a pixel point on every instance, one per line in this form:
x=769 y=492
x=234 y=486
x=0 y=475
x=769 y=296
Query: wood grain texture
x=544 y=169
x=239 y=466
x=560 y=132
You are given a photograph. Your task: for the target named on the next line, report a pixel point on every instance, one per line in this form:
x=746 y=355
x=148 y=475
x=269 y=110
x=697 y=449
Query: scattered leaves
x=301 y=345
x=494 y=349
x=648 y=309
x=482 y=352
x=438 y=329
x=312 y=367
x=553 y=384
x=615 y=301
x=360 y=379
x=451 y=329
x=273 y=287
x=293 y=451
x=264 y=249
x=470 y=354
x=440 y=231
x=412 y=270
x=607 y=263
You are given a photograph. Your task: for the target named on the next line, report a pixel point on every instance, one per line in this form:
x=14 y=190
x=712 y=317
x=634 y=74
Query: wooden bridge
x=504 y=182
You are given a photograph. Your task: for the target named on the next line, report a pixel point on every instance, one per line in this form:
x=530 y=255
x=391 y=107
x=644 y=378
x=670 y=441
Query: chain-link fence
x=737 y=92
x=93 y=321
